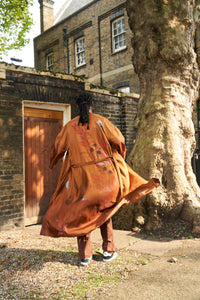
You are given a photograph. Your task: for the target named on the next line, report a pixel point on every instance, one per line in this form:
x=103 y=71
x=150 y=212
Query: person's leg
x=84 y=246
x=107 y=236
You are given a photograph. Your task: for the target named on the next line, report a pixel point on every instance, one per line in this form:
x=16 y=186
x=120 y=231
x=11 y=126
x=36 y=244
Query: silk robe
x=95 y=180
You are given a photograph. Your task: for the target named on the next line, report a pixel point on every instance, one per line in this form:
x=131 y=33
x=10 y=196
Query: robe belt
x=101 y=160
x=91 y=162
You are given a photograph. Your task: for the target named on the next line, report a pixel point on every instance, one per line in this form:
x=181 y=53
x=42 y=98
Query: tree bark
x=165 y=61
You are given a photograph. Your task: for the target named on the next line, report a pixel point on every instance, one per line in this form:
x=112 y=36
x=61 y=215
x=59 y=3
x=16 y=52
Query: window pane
x=115 y=32
x=50 y=62
x=81 y=58
x=116 y=39
x=115 y=25
x=118 y=23
x=123 y=26
x=50 y=59
x=80 y=45
x=124 y=41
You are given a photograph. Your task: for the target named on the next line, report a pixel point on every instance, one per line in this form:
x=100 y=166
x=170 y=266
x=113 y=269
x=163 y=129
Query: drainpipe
x=100 y=60
x=67 y=46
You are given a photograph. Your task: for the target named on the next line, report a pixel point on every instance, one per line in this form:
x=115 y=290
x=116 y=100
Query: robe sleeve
x=59 y=147
x=115 y=137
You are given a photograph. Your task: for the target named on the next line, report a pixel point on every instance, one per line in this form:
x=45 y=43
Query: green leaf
x=15 y=22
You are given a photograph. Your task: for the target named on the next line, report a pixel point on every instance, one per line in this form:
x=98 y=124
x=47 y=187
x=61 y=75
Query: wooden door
x=41 y=127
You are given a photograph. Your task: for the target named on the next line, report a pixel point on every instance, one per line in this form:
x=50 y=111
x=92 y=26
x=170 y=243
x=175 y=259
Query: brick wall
x=11 y=159
x=103 y=67
x=121 y=111
x=18 y=84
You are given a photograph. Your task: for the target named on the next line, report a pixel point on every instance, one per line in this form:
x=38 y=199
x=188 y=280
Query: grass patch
x=144 y=261
x=95 y=281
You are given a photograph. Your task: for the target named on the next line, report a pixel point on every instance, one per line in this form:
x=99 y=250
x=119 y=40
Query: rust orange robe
x=95 y=180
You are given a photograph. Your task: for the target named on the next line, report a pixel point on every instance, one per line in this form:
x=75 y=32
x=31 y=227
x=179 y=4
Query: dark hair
x=84 y=101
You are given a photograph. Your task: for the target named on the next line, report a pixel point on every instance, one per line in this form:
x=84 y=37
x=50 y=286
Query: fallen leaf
x=5 y=260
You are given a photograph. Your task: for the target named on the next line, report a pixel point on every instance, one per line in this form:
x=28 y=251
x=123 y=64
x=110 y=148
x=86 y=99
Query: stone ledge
x=110 y=92
x=5 y=66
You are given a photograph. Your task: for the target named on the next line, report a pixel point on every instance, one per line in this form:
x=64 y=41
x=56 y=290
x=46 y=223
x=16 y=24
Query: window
x=123 y=86
x=80 y=52
x=124 y=89
x=118 y=34
x=50 y=62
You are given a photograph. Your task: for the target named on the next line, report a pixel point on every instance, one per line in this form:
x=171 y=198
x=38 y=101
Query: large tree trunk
x=165 y=61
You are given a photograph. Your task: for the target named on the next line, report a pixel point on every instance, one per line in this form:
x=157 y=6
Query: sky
x=27 y=53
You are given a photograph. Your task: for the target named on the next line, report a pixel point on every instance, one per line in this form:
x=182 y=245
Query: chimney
x=46 y=14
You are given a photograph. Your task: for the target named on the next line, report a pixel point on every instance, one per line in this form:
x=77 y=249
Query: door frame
x=65 y=108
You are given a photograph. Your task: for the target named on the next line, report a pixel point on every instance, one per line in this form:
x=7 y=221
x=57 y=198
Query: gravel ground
x=38 y=267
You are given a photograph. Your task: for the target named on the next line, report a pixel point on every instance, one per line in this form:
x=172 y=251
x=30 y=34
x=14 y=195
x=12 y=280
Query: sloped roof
x=70 y=7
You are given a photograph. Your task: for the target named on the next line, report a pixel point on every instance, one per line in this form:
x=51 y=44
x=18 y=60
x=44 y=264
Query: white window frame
x=50 y=61
x=80 y=52
x=118 y=34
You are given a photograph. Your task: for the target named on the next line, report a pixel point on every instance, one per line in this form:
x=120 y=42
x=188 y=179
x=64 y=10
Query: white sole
x=111 y=257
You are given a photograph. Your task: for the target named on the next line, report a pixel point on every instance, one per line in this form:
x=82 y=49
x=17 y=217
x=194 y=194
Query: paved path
x=160 y=279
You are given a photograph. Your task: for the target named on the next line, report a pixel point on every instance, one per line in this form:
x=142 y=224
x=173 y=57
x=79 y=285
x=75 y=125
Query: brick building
x=91 y=38
x=33 y=107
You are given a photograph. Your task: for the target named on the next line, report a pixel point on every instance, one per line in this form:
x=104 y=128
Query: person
x=95 y=181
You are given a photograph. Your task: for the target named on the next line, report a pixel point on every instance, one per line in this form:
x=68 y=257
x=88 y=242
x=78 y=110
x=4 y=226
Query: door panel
x=40 y=182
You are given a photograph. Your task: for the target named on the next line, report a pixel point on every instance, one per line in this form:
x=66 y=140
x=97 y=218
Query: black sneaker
x=108 y=256
x=85 y=261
